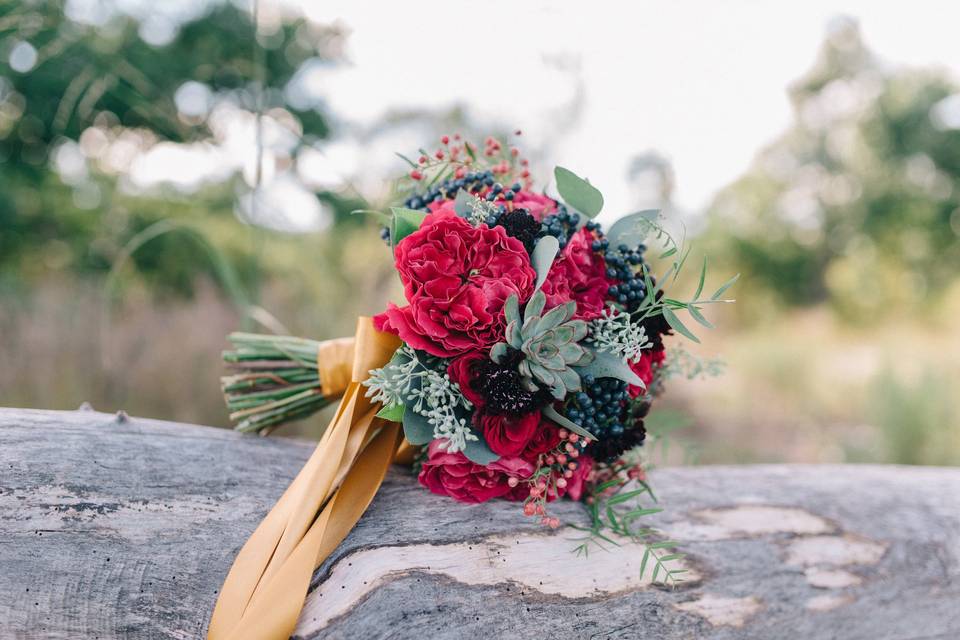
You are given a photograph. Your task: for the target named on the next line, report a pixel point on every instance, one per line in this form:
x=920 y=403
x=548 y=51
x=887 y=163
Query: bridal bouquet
x=521 y=365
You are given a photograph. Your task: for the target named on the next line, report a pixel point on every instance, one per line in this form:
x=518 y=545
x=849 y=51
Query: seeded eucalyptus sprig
x=274 y=380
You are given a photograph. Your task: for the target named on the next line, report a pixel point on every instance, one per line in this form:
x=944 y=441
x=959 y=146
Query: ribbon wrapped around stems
x=265 y=589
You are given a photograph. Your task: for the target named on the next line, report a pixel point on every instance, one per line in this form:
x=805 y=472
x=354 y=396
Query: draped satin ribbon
x=266 y=587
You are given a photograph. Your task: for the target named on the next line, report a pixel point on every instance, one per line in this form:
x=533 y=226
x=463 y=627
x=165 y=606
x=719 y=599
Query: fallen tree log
x=123 y=527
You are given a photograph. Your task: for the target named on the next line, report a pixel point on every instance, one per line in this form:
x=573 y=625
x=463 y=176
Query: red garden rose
x=460 y=371
x=507 y=436
x=644 y=369
x=579 y=274
x=545 y=438
x=456 y=278
x=454 y=475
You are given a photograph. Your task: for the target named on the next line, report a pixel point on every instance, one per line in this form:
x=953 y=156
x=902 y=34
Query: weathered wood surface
x=123 y=527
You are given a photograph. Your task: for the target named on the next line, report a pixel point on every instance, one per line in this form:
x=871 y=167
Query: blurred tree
x=85 y=88
x=858 y=203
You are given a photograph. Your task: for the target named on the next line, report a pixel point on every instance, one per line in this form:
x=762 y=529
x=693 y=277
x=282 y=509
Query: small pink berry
x=563 y=434
x=550 y=460
x=573 y=437
x=439 y=154
x=423 y=160
x=568 y=474
x=529 y=509
x=416 y=175
x=445 y=139
x=554 y=523
x=534 y=492
x=575 y=453
x=512 y=481
x=545 y=521
x=562 y=458
x=570 y=448
x=562 y=483
x=540 y=510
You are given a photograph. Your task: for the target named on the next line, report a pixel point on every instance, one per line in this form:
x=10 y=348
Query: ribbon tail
x=265 y=589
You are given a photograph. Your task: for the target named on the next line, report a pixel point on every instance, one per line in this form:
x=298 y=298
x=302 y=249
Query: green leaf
x=383 y=218
x=393 y=412
x=406 y=159
x=535 y=305
x=726 y=285
x=607 y=365
x=578 y=193
x=415 y=428
x=632 y=229
x=542 y=257
x=643 y=563
x=566 y=422
x=703 y=277
x=696 y=315
x=479 y=453
x=405 y=222
x=676 y=325
x=669 y=252
x=463 y=205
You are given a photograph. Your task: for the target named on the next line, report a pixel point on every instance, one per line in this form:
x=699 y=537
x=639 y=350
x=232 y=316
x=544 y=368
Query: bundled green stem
x=274 y=380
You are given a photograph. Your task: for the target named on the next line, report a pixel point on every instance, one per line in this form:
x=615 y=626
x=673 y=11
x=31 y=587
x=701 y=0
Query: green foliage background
x=846 y=230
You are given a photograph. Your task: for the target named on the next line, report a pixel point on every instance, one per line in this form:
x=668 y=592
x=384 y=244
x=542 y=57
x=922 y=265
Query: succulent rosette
x=533 y=339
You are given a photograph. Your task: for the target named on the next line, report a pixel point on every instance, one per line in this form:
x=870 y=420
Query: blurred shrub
x=857 y=203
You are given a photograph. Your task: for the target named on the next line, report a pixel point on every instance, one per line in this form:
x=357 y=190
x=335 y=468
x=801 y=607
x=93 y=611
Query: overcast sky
x=702 y=82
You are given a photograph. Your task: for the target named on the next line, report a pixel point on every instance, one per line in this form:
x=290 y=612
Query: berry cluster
x=475 y=182
x=602 y=407
x=554 y=468
x=561 y=225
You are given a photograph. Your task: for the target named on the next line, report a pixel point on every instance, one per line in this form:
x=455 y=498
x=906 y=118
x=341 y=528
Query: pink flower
x=579 y=274
x=644 y=369
x=537 y=205
x=456 y=278
x=454 y=475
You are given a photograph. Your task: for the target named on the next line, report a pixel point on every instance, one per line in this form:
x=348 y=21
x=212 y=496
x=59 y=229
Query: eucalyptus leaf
x=405 y=222
x=566 y=422
x=632 y=229
x=607 y=365
x=703 y=277
x=478 y=452
x=578 y=193
x=463 y=205
x=416 y=429
x=676 y=325
x=698 y=316
x=393 y=412
x=726 y=285
x=542 y=257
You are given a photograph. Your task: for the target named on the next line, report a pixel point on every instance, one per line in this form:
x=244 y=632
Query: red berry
x=513 y=481
x=423 y=160
x=445 y=139
x=529 y=509
x=439 y=154
x=416 y=175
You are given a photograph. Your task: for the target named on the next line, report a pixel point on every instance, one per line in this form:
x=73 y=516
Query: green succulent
x=548 y=342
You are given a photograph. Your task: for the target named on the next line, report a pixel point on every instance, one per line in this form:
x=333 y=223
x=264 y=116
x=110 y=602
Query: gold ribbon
x=266 y=587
